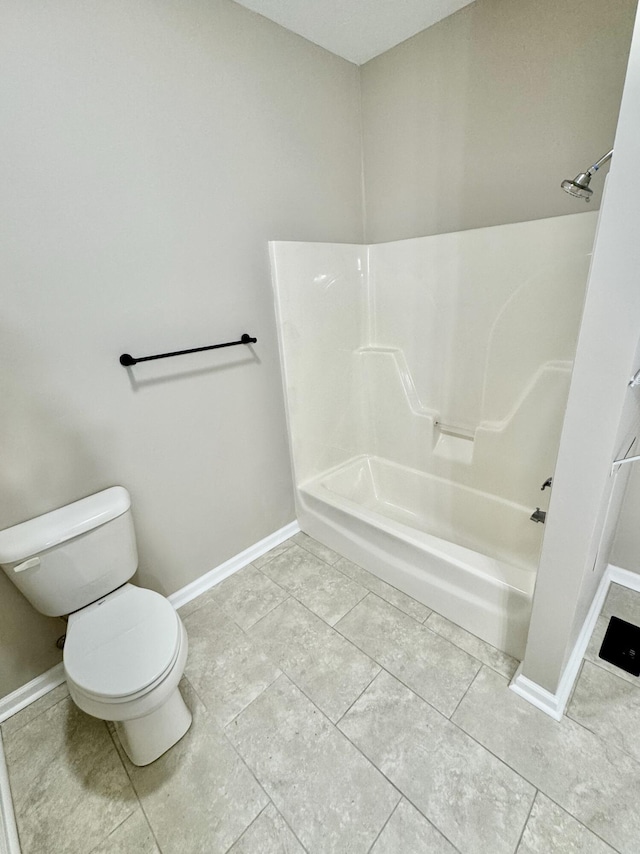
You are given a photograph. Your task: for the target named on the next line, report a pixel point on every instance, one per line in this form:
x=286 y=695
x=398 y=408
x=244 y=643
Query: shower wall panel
x=480 y=328
x=321 y=293
x=448 y=354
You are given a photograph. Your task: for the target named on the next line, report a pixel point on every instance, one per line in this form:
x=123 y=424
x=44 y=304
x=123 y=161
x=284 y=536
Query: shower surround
x=425 y=385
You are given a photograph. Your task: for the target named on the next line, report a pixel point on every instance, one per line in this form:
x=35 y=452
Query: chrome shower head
x=579 y=188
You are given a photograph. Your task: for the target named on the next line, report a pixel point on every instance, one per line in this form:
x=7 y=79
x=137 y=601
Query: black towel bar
x=128 y=360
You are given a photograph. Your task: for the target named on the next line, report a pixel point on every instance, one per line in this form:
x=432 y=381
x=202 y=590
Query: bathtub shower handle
x=547 y=483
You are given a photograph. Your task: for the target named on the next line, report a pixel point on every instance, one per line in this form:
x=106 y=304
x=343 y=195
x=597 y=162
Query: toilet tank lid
x=36 y=535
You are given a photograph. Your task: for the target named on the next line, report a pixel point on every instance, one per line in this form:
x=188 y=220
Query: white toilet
x=126 y=647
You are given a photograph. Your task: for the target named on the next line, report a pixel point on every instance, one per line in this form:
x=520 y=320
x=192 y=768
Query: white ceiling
x=357 y=30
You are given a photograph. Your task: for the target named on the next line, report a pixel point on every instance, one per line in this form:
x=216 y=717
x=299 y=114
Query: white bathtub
x=400 y=524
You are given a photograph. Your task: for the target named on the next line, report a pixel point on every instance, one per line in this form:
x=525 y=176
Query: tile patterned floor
x=333 y=713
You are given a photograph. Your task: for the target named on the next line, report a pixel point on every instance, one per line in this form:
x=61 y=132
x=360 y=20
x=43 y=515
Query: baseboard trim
x=625 y=577
x=32 y=691
x=554 y=705
x=9 y=842
x=215 y=576
x=536 y=695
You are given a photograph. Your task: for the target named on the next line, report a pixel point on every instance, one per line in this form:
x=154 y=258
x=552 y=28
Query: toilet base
x=145 y=739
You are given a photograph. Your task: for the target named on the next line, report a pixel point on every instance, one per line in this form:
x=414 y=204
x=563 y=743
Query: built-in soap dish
x=453 y=443
x=621 y=646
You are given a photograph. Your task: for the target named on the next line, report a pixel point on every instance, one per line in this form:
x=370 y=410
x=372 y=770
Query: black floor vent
x=621 y=646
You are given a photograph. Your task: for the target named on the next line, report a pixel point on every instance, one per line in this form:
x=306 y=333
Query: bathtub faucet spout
x=538 y=515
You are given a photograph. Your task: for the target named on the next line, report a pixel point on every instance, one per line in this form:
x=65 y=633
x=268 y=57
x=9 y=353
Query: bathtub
x=468 y=555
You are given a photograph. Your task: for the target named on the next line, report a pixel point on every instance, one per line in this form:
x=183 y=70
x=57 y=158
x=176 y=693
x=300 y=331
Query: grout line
x=223 y=733
x=250 y=825
x=581 y=823
x=331 y=724
x=610 y=672
x=399 y=679
x=290 y=828
x=116 y=741
x=378 y=835
x=398 y=789
x=346 y=614
x=268 y=614
x=111 y=832
x=386 y=583
x=527 y=779
x=404 y=794
x=459 y=703
x=286 y=671
x=293 y=595
x=223 y=727
x=573 y=689
x=464 y=732
x=13 y=732
x=273 y=557
x=526 y=821
x=346 y=711
x=311 y=552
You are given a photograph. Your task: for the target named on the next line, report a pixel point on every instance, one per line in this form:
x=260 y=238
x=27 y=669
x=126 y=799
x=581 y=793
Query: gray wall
x=151 y=149
x=476 y=120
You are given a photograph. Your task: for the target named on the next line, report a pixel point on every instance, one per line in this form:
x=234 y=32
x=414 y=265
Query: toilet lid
x=122 y=644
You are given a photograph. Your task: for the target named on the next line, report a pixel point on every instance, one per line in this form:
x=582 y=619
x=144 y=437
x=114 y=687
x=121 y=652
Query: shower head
x=579 y=187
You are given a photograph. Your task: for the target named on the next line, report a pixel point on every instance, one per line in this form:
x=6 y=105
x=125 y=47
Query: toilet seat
x=123 y=646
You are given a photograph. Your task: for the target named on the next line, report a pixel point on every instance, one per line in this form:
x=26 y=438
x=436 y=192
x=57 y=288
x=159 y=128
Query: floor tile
x=133 y=835
x=224 y=666
x=259 y=562
x=199 y=796
x=69 y=787
x=623 y=603
x=332 y=798
x=551 y=829
x=246 y=596
x=489 y=655
x=385 y=591
x=409 y=832
x=608 y=706
x=268 y=834
x=475 y=800
x=16 y=722
x=431 y=666
x=593 y=650
x=597 y=783
x=331 y=671
x=324 y=590
x=318 y=549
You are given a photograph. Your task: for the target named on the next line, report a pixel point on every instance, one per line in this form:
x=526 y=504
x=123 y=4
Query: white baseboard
x=9 y=842
x=536 y=695
x=215 y=576
x=555 y=704
x=625 y=577
x=32 y=691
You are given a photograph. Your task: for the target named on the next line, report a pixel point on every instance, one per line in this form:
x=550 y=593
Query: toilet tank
x=72 y=556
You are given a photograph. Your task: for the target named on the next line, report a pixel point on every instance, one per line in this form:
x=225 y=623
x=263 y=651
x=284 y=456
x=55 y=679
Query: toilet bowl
x=126 y=647
x=123 y=658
